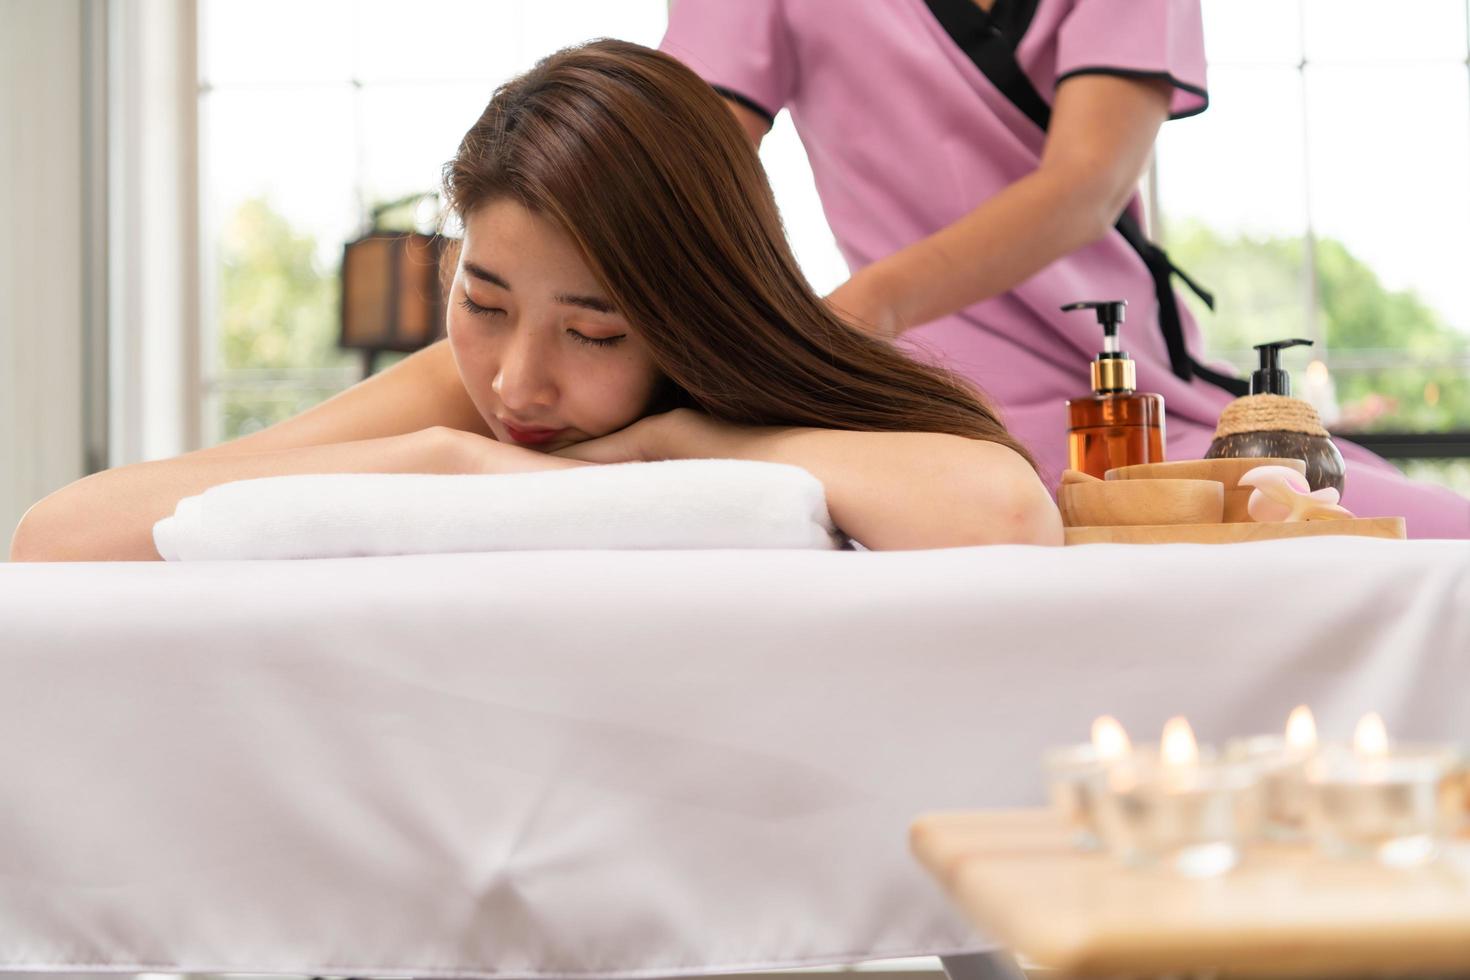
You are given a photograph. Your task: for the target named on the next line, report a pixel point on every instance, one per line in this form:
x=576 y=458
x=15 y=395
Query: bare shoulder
x=421 y=391
x=1008 y=485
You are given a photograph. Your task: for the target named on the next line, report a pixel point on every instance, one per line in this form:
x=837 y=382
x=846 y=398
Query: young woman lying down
x=623 y=292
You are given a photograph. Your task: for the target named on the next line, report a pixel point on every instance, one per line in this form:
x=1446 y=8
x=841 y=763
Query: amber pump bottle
x=1116 y=426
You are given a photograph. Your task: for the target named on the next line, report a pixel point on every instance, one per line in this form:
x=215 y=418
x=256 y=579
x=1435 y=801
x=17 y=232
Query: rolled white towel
x=678 y=504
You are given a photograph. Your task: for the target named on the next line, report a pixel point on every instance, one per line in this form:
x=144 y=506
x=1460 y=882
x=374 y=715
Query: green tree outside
x=1259 y=287
x=278 y=313
x=278 y=302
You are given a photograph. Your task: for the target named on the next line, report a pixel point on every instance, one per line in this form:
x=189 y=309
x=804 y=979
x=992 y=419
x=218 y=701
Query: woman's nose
x=523 y=380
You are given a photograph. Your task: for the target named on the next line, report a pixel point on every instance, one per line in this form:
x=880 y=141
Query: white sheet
x=572 y=764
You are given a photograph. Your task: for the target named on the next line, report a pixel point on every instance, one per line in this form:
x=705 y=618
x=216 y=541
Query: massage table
x=625 y=764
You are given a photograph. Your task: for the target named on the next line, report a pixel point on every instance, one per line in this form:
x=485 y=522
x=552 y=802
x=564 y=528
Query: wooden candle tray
x=1285 y=911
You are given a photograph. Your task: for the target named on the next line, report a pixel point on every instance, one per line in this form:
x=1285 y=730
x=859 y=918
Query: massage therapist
x=973 y=158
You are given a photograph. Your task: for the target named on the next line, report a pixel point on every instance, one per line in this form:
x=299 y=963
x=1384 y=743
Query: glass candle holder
x=1282 y=769
x=1454 y=798
x=1383 y=806
x=1072 y=774
x=1194 y=820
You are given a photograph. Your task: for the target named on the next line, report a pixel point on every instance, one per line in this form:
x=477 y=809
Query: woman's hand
x=453 y=450
x=680 y=434
x=862 y=302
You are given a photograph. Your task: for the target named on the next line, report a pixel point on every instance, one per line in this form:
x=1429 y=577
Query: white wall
x=42 y=250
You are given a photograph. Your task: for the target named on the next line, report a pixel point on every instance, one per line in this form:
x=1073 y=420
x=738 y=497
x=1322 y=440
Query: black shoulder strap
x=989 y=40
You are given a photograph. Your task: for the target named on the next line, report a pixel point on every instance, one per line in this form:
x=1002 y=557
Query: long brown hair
x=642 y=164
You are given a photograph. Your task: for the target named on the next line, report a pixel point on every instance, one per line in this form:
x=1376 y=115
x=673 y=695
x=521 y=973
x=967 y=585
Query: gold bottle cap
x=1113 y=374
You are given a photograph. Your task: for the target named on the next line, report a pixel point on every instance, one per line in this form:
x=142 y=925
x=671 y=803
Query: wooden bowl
x=1135 y=502
x=1225 y=471
x=1236 y=501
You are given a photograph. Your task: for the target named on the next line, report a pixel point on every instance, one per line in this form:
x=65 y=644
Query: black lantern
x=392 y=292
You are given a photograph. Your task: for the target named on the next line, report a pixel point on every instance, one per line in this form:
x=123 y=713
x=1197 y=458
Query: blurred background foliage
x=1257 y=284
x=279 y=322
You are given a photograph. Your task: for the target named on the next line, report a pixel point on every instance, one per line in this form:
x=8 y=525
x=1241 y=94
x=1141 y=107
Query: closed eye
x=475 y=309
x=595 y=341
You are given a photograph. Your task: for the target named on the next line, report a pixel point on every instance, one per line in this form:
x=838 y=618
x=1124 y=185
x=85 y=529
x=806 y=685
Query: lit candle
x=1380 y=799
x=1282 y=763
x=1178 y=748
x=1109 y=739
x=1301 y=730
x=1370 y=737
x=1180 y=807
x=1074 y=772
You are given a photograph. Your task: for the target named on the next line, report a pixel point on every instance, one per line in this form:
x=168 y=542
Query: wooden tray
x=1368 y=527
x=1286 y=911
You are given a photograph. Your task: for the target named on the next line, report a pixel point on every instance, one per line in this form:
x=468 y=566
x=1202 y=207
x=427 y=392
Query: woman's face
x=540 y=349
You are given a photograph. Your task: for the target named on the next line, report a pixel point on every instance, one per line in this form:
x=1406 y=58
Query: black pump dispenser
x=1269 y=378
x=1109 y=314
x=1269 y=423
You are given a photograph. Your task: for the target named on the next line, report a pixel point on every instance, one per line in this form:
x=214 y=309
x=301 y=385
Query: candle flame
x=1109 y=739
x=1178 y=746
x=1370 y=737
x=1301 y=729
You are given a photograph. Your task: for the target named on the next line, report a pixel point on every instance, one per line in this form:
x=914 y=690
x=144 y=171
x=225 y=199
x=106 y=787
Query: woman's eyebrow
x=480 y=272
x=594 y=303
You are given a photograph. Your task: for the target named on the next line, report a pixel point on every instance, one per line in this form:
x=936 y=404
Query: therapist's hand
x=863 y=303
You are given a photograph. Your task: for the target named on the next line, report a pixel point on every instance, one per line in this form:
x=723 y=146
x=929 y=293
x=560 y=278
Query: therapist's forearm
x=1102 y=132
x=1032 y=223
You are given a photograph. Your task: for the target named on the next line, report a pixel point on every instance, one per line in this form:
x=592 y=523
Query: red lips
x=530 y=437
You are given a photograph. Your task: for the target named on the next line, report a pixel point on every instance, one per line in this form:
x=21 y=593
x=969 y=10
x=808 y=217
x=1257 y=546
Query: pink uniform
x=906 y=135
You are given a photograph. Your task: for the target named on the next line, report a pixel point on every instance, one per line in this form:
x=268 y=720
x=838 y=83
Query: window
x=1326 y=195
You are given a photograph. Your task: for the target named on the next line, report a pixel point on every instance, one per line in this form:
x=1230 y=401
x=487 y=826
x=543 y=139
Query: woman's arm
x=109 y=516
x=415 y=417
x=888 y=490
x=1102 y=132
